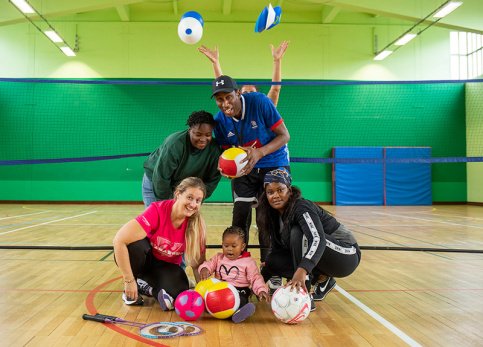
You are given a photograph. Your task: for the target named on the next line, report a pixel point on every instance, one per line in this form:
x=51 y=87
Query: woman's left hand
x=298 y=280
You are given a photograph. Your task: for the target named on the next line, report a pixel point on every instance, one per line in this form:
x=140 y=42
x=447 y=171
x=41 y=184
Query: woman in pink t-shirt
x=148 y=249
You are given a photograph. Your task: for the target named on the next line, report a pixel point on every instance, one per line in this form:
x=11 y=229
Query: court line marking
x=449 y=215
x=380 y=319
x=107 y=256
x=402 y=226
x=391 y=242
x=336 y=290
x=23 y=215
x=29 y=222
x=58 y=244
x=431 y=220
x=394 y=233
x=91 y=307
x=90 y=224
x=33 y=226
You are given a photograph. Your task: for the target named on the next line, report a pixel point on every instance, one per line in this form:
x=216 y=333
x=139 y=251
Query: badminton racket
x=160 y=330
x=190 y=329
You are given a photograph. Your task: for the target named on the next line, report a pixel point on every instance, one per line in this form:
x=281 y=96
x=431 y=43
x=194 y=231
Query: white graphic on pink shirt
x=146 y=221
x=166 y=247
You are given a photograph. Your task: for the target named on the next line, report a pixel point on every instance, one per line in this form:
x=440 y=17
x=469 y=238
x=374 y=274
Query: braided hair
x=233 y=230
x=200 y=117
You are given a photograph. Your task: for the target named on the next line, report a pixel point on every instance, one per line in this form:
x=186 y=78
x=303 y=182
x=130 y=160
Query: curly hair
x=233 y=230
x=200 y=117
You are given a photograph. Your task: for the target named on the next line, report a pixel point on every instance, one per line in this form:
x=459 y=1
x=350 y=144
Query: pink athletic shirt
x=167 y=242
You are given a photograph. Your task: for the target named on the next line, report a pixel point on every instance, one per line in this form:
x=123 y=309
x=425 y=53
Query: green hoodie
x=177 y=159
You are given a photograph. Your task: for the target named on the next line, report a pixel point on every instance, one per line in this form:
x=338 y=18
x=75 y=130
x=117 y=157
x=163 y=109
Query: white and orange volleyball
x=230 y=162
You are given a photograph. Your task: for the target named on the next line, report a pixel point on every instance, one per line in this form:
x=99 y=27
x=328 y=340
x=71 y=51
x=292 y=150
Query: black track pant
x=338 y=260
x=244 y=293
x=157 y=273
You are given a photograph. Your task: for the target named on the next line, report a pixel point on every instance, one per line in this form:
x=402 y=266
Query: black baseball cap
x=223 y=84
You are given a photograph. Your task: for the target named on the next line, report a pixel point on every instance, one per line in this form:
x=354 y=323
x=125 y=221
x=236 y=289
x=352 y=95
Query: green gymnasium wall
x=474 y=135
x=67 y=120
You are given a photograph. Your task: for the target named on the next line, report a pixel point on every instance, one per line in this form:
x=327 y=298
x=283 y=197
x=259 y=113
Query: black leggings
x=157 y=273
x=336 y=261
x=244 y=293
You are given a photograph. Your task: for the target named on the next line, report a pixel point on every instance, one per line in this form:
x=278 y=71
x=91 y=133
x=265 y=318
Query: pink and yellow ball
x=189 y=305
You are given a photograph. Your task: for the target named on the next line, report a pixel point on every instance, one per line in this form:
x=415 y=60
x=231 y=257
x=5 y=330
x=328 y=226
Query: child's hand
x=204 y=274
x=264 y=296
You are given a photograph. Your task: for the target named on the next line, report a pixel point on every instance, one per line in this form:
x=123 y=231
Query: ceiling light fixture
x=417 y=29
x=53 y=36
x=67 y=51
x=382 y=55
x=23 y=6
x=448 y=8
x=405 y=39
x=26 y=8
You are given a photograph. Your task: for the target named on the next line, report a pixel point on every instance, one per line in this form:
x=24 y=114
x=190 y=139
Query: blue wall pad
x=407 y=184
x=358 y=183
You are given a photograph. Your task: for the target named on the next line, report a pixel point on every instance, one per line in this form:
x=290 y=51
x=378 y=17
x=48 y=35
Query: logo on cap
x=223 y=84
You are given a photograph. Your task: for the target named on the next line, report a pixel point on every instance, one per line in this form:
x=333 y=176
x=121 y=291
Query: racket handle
x=103 y=316
x=95 y=318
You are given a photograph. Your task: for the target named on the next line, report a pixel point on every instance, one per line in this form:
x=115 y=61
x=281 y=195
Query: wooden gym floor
x=395 y=298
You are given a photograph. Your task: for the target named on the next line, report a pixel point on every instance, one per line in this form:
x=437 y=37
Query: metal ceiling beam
x=123 y=12
x=175 y=7
x=226 y=7
x=350 y=5
x=329 y=13
x=80 y=6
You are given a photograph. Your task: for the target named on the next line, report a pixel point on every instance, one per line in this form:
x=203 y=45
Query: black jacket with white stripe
x=314 y=223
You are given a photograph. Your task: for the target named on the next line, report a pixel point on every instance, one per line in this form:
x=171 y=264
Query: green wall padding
x=68 y=120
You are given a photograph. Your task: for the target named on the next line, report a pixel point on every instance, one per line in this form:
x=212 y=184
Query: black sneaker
x=312 y=303
x=144 y=288
x=323 y=288
x=131 y=302
x=274 y=283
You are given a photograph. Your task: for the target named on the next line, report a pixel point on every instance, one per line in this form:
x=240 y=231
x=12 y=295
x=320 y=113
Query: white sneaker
x=274 y=283
x=128 y=301
x=165 y=301
x=191 y=283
